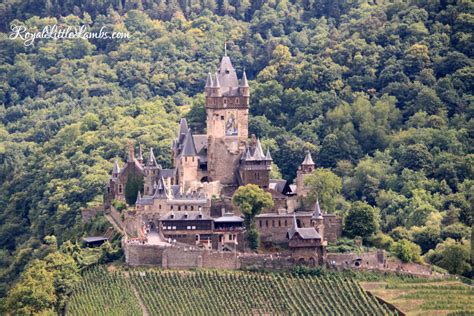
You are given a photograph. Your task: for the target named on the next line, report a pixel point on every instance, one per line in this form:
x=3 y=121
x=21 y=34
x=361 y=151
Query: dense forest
x=380 y=92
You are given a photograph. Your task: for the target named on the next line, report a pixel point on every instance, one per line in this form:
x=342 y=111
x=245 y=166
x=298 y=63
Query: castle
x=192 y=202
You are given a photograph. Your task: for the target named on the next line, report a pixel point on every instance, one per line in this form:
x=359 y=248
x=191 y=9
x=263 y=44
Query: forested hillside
x=381 y=94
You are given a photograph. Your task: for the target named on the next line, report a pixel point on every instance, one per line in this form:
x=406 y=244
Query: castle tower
x=188 y=162
x=227 y=103
x=255 y=166
x=306 y=168
x=151 y=172
x=317 y=220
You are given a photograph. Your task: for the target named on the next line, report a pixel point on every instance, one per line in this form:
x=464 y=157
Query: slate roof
x=308 y=160
x=189 y=149
x=303 y=232
x=231 y=218
x=181 y=215
x=167 y=173
x=277 y=185
x=244 y=82
x=317 y=211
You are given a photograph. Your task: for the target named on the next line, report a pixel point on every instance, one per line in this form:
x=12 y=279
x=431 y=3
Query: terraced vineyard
x=104 y=293
x=165 y=292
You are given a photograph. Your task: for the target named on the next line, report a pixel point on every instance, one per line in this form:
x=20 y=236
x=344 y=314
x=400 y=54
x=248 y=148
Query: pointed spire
x=140 y=156
x=189 y=149
x=244 y=83
x=151 y=159
x=258 y=153
x=139 y=198
x=295 y=223
x=161 y=189
x=225 y=48
x=209 y=80
x=268 y=156
x=216 y=81
x=116 y=169
x=183 y=127
x=317 y=211
x=308 y=160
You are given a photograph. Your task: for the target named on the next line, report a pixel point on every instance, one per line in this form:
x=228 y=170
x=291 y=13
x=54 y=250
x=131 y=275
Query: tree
x=407 y=251
x=66 y=276
x=251 y=200
x=34 y=293
x=452 y=256
x=427 y=237
x=361 y=221
x=325 y=186
x=134 y=184
x=416 y=157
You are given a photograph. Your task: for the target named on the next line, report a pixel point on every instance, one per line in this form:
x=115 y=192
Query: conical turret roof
x=189 y=149
x=268 y=156
x=244 y=82
x=308 y=160
x=209 y=80
x=151 y=159
x=317 y=211
x=116 y=169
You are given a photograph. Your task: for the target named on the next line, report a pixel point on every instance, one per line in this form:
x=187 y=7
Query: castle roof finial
x=151 y=159
x=225 y=48
x=209 y=80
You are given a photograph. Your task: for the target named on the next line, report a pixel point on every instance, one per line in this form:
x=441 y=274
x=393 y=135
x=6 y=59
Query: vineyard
x=220 y=293
x=440 y=298
x=104 y=293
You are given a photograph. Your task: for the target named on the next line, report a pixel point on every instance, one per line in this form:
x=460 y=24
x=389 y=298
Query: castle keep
x=191 y=202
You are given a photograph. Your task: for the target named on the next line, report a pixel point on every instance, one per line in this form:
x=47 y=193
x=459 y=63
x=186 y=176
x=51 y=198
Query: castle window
x=236 y=100
x=171 y=207
x=153 y=171
x=192 y=208
x=279 y=223
x=225 y=100
x=186 y=207
x=222 y=117
x=286 y=223
x=108 y=189
x=266 y=223
x=273 y=223
x=120 y=188
x=179 y=208
x=147 y=190
x=186 y=159
x=159 y=206
x=260 y=222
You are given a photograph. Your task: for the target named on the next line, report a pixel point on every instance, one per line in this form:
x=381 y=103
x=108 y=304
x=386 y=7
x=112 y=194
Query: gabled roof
x=161 y=190
x=304 y=233
x=189 y=149
x=308 y=160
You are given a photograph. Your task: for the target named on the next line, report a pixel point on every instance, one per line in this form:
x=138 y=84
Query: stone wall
x=138 y=255
x=332 y=227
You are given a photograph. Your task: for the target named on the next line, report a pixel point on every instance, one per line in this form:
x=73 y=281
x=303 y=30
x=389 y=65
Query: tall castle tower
x=227 y=108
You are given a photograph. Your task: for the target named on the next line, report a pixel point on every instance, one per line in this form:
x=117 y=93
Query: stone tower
x=306 y=167
x=255 y=166
x=227 y=107
x=317 y=220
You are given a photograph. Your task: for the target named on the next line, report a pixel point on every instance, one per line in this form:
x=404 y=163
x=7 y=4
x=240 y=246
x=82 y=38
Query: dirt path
x=140 y=302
